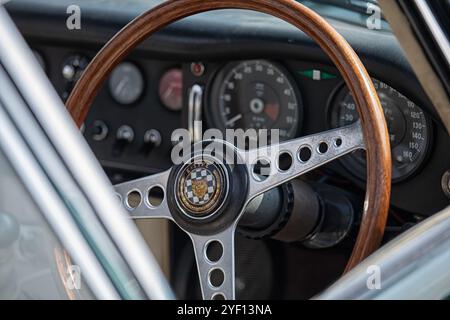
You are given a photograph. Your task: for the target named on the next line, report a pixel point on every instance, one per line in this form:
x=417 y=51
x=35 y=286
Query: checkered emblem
x=199 y=186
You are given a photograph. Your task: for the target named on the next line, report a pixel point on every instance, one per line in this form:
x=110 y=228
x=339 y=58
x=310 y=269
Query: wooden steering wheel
x=234 y=185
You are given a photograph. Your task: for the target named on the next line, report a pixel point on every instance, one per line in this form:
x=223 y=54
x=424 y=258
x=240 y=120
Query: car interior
x=241 y=69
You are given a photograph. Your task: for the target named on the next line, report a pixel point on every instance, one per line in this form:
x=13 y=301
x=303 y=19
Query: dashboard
x=130 y=126
x=277 y=79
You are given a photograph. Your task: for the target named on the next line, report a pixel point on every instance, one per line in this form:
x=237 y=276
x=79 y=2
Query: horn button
x=207 y=194
x=201 y=187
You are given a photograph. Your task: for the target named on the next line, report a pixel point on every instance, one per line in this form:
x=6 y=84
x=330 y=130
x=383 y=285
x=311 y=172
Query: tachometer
x=409 y=130
x=256 y=94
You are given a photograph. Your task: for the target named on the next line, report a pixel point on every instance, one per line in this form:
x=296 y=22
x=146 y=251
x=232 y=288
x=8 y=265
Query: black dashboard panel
x=216 y=39
x=145 y=114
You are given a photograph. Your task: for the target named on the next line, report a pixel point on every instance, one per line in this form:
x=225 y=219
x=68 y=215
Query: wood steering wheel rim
x=374 y=128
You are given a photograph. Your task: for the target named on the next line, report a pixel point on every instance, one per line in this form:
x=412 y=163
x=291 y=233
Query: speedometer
x=409 y=130
x=256 y=94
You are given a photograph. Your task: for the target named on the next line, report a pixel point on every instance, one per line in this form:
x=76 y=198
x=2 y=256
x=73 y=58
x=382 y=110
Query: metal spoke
x=146 y=197
x=216 y=271
x=306 y=154
x=214 y=254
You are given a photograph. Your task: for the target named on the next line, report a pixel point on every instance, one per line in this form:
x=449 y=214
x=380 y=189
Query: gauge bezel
x=144 y=85
x=213 y=88
x=163 y=73
x=351 y=165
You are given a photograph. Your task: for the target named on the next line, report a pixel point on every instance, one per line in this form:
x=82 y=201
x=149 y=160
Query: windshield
x=365 y=13
x=33 y=264
x=354 y=5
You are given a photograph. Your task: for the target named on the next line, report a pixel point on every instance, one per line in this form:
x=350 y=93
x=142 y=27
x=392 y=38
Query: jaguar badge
x=200 y=188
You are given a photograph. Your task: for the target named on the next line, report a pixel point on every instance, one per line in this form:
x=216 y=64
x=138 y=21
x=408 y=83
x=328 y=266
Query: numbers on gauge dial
x=258 y=95
x=407 y=124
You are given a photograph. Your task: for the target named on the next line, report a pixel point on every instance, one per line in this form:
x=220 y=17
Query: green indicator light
x=317 y=75
x=327 y=76
x=307 y=73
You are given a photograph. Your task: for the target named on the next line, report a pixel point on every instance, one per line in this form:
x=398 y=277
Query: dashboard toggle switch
x=124 y=137
x=152 y=139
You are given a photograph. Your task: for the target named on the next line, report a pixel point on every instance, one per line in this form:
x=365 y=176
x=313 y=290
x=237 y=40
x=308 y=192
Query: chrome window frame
x=41 y=140
x=435 y=28
x=415 y=265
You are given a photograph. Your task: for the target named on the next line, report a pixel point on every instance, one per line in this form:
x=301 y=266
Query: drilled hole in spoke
x=218 y=296
x=284 y=161
x=155 y=196
x=214 y=251
x=216 y=277
x=304 y=154
x=134 y=199
x=322 y=148
x=261 y=169
x=338 y=142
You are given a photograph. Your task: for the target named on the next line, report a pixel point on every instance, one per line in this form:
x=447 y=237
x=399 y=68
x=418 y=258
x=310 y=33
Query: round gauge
x=409 y=130
x=256 y=95
x=126 y=83
x=171 y=89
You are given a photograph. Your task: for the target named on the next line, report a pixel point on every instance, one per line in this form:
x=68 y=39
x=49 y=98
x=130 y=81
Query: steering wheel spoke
x=146 y=197
x=303 y=155
x=215 y=264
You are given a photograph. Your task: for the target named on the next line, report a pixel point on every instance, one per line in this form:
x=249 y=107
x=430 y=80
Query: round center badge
x=201 y=186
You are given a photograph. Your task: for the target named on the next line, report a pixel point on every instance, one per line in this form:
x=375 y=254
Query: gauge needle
x=234 y=119
x=123 y=82
x=172 y=87
x=168 y=92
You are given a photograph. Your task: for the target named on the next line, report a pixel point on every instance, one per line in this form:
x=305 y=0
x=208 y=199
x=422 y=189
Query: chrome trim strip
x=195 y=113
x=78 y=158
x=61 y=180
x=414 y=265
x=435 y=28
